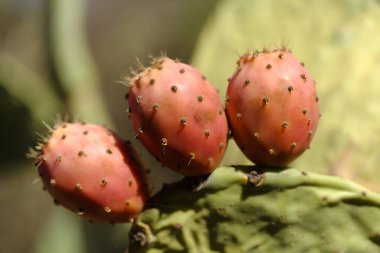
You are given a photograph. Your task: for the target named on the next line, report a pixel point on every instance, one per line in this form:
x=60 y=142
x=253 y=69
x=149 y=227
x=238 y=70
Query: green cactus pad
x=245 y=209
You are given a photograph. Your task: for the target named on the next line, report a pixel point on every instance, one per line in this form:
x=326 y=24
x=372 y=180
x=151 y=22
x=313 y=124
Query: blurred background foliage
x=66 y=56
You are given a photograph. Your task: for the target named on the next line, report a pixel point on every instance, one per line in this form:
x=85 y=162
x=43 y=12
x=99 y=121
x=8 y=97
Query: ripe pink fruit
x=178 y=117
x=92 y=172
x=272 y=107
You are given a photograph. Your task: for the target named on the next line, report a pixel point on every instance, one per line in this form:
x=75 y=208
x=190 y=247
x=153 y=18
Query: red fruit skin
x=272 y=107
x=178 y=117
x=89 y=170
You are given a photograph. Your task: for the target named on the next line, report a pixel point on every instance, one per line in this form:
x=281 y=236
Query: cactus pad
x=246 y=209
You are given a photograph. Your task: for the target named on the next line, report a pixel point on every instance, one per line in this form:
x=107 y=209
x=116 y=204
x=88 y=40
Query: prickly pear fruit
x=249 y=209
x=178 y=116
x=272 y=107
x=92 y=172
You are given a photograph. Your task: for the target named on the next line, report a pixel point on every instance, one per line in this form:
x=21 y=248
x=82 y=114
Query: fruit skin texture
x=272 y=107
x=92 y=172
x=178 y=117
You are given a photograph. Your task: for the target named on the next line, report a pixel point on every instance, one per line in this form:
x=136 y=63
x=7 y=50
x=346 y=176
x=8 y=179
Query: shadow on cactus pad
x=250 y=209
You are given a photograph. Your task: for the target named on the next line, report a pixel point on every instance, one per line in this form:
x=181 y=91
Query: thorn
x=221 y=145
x=139 y=131
x=203 y=77
x=317 y=99
x=174 y=88
x=38 y=147
x=309 y=134
x=104 y=182
x=269 y=66
x=303 y=77
x=80 y=211
x=138 y=99
x=85 y=132
x=58 y=160
x=32 y=153
x=39 y=162
x=192 y=157
x=53 y=182
x=127 y=203
x=108 y=151
x=227 y=100
x=139 y=64
x=210 y=160
x=281 y=56
x=183 y=121
x=55 y=202
x=164 y=143
x=271 y=151
x=42 y=138
x=284 y=124
x=130 y=182
x=302 y=64
x=238 y=115
x=265 y=101
x=107 y=209
x=200 y=98
x=304 y=111
x=207 y=133
x=152 y=81
x=48 y=127
x=220 y=111
x=126 y=96
x=246 y=82
x=256 y=135
x=81 y=153
x=36 y=180
x=155 y=107
x=181 y=71
x=309 y=122
x=293 y=145
x=78 y=186
x=290 y=89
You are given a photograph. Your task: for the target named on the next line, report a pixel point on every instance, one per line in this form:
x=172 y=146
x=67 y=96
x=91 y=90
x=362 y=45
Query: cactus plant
x=251 y=209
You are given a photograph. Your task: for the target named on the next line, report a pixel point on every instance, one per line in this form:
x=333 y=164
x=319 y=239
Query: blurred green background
x=66 y=56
